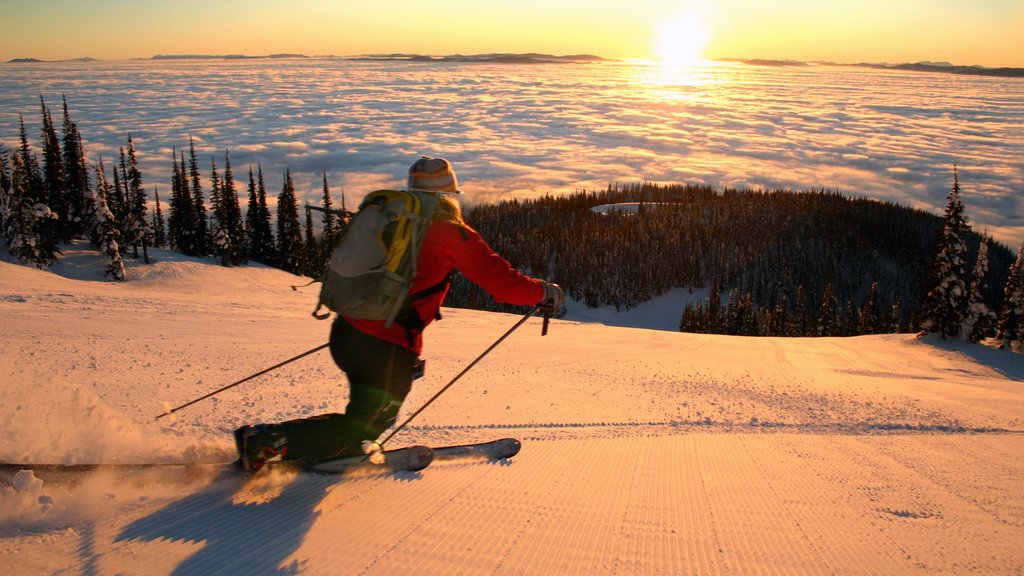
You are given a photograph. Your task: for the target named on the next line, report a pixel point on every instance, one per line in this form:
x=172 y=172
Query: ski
x=408 y=459
x=493 y=450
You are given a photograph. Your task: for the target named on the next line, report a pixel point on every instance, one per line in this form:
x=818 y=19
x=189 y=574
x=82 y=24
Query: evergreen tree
x=850 y=319
x=312 y=248
x=90 y=212
x=827 y=325
x=261 y=235
x=689 y=321
x=715 y=320
x=5 y=191
x=229 y=234
x=108 y=233
x=867 y=319
x=892 y=319
x=76 y=179
x=980 y=321
x=330 y=222
x=252 y=211
x=797 y=322
x=180 y=209
x=55 y=229
x=116 y=200
x=201 y=238
x=158 y=227
x=218 y=238
x=1010 y=332
x=26 y=214
x=289 y=233
x=946 y=303
x=136 y=227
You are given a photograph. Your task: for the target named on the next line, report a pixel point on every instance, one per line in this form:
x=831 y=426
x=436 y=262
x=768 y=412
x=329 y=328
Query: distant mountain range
x=219 y=57
x=528 y=58
x=536 y=58
x=941 y=67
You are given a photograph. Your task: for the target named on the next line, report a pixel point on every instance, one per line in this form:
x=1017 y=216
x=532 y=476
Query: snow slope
x=644 y=451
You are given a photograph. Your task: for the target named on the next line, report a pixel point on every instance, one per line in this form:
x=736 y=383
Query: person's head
x=437 y=175
x=433 y=175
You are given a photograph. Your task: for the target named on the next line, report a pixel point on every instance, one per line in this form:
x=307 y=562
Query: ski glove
x=553 y=298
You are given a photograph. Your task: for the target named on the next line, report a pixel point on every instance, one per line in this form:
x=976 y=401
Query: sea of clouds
x=532 y=129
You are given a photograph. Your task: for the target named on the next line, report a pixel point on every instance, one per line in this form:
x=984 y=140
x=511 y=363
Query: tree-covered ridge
x=781 y=252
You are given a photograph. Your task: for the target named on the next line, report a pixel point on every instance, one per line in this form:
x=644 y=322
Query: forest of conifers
x=772 y=259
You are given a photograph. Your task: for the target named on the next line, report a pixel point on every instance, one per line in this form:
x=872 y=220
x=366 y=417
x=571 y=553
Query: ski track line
x=574 y=530
x=655 y=539
x=825 y=501
x=770 y=481
x=921 y=527
x=947 y=480
x=742 y=549
x=368 y=535
x=421 y=523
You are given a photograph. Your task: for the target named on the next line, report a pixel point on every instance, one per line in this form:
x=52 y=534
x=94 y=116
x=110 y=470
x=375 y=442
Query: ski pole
x=246 y=379
x=460 y=374
x=549 y=310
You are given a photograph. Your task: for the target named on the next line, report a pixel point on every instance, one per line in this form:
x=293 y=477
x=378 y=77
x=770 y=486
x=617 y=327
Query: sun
x=681 y=41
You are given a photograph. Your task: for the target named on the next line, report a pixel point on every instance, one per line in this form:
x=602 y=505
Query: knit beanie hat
x=433 y=175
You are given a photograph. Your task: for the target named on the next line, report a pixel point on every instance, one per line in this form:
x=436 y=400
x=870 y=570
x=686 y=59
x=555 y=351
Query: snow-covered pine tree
x=289 y=233
x=228 y=232
x=945 y=305
x=116 y=198
x=26 y=213
x=5 y=190
x=1010 y=331
x=136 y=227
x=980 y=321
x=108 y=233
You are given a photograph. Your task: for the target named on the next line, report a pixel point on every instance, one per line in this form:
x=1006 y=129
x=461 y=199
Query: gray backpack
x=374 y=261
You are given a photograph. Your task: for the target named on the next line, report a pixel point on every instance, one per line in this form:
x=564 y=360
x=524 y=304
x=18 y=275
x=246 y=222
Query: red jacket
x=449 y=246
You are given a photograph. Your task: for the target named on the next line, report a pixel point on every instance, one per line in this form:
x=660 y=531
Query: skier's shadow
x=253 y=536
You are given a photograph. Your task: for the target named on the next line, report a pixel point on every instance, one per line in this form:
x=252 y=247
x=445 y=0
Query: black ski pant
x=379 y=374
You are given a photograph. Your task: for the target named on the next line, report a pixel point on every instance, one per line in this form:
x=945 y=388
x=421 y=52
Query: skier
x=382 y=362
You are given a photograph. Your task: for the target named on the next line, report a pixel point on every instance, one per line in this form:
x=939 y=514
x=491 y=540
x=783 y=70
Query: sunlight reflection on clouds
x=528 y=130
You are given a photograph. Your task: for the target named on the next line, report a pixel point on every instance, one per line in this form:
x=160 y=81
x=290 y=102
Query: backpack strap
x=410 y=319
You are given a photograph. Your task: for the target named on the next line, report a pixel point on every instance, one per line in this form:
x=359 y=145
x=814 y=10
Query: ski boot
x=257 y=445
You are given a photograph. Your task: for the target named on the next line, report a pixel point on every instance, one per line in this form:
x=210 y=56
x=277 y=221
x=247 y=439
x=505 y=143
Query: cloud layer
x=529 y=130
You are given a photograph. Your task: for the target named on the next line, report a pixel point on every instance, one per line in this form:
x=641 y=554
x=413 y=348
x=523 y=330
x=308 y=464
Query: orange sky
x=985 y=32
